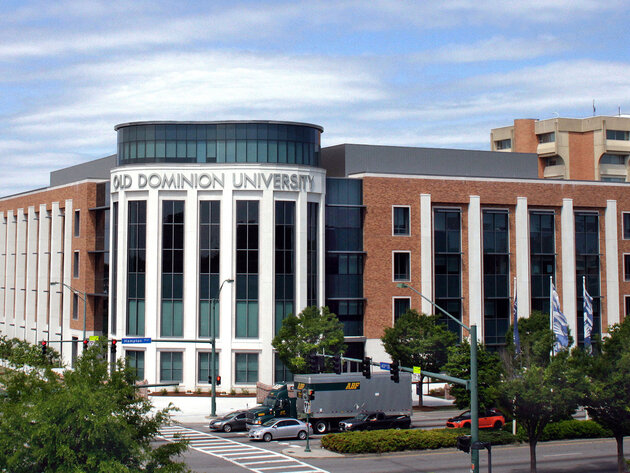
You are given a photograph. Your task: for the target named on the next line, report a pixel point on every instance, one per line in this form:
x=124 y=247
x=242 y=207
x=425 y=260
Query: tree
x=489 y=374
x=419 y=340
x=86 y=421
x=311 y=331
x=538 y=395
x=608 y=399
x=536 y=339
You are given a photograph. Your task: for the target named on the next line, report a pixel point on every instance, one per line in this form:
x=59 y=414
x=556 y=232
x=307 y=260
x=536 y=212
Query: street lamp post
x=82 y=295
x=474 y=400
x=213 y=410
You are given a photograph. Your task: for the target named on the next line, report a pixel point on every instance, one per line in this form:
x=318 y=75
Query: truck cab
x=276 y=404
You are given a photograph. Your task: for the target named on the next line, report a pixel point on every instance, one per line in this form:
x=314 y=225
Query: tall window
x=401 y=305
x=285 y=261
x=172 y=268
x=448 y=264
x=246 y=368
x=626 y=225
x=75 y=306
x=587 y=266
x=542 y=257
x=75 y=265
x=77 y=223
x=312 y=281
x=402 y=266
x=247 y=222
x=209 y=252
x=400 y=221
x=203 y=367
x=171 y=366
x=626 y=267
x=135 y=360
x=114 y=264
x=136 y=258
x=496 y=274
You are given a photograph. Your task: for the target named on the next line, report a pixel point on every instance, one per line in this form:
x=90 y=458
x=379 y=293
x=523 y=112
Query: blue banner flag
x=588 y=316
x=559 y=322
x=517 y=339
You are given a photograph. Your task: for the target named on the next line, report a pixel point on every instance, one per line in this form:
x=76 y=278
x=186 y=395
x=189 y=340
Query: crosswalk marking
x=254 y=459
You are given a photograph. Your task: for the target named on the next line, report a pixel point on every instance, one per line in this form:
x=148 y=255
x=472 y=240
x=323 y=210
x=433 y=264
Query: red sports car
x=489 y=419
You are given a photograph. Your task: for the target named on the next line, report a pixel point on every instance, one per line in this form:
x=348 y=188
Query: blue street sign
x=385 y=366
x=136 y=340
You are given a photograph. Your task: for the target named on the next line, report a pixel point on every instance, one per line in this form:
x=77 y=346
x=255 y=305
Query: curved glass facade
x=222 y=142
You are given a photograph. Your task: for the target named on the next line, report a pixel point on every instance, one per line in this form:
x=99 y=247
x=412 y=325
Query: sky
x=409 y=73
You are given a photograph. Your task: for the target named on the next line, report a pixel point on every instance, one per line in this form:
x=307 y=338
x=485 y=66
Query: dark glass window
x=209 y=252
x=627 y=301
x=77 y=223
x=401 y=305
x=626 y=225
x=285 y=261
x=401 y=221
x=344 y=275
x=344 y=228
x=281 y=373
x=114 y=264
x=350 y=314
x=496 y=274
x=172 y=322
x=171 y=366
x=246 y=369
x=447 y=264
x=622 y=135
x=587 y=269
x=204 y=362
x=136 y=262
x=619 y=159
x=402 y=266
x=247 y=224
x=547 y=137
x=312 y=272
x=344 y=191
x=75 y=306
x=75 y=265
x=626 y=267
x=135 y=360
x=503 y=144
x=542 y=257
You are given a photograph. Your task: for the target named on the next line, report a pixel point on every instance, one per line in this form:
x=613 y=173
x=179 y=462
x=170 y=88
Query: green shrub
x=382 y=441
x=565 y=429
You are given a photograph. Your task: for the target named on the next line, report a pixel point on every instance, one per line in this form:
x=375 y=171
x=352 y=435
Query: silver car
x=280 y=428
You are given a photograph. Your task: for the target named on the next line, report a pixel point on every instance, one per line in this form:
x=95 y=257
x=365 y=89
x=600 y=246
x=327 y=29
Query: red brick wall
x=582 y=164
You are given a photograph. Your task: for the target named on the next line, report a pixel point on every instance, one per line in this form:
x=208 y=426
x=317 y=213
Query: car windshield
x=230 y=415
x=270 y=401
x=363 y=416
x=270 y=422
x=464 y=415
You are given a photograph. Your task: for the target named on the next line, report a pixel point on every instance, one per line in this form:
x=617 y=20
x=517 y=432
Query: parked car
x=280 y=428
x=489 y=419
x=375 y=421
x=232 y=421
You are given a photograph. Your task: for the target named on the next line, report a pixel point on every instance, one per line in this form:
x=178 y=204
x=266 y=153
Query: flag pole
x=551 y=310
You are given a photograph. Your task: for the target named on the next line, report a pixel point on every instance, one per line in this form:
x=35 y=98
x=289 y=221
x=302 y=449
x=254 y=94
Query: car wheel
x=227 y=428
x=321 y=427
x=466 y=425
x=302 y=435
x=498 y=424
x=267 y=437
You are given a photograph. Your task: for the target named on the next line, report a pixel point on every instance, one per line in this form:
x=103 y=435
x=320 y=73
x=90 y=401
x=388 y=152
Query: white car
x=280 y=428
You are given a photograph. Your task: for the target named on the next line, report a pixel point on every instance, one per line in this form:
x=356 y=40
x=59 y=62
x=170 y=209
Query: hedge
x=565 y=429
x=382 y=441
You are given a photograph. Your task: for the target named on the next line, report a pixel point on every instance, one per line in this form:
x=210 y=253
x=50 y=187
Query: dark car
x=232 y=421
x=375 y=421
x=489 y=419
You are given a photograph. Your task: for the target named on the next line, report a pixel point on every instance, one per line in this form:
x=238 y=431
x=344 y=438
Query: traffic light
x=218 y=381
x=394 y=370
x=44 y=346
x=463 y=443
x=114 y=343
x=85 y=343
x=366 y=367
x=337 y=364
x=313 y=362
x=310 y=395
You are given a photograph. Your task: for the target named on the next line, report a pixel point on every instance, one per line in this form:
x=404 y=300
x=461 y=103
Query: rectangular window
x=542 y=257
x=171 y=366
x=172 y=316
x=626 y=225
x=587 y=268
x=350 y=314
x=448 y=264
x=247 y=223
x=496 y=276
x=77 y=223
x=626 y=267
x=401 y=305
x=114 y=263
x=400 y=217
x=402 y=266
x=620 y=135
x=281 y=374
x=627 y=301
x=203 y=367
x=312 y=280
x=135 y=360
x=618 y=159
x=209 y=251
x=246 y=368
x=285 y=261
x=136 y=262
x=503 y=144
x=547 y=137
x=75 y=306
x=75 y=265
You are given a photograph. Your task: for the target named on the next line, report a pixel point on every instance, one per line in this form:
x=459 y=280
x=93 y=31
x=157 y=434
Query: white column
x=567 y=300
x=426 y=252
x=227 y=304
x=321 y=249
x=474 y=264
x=152 y=309
x=266 y=315
x=56 y=261
x=191 y=268
x=521 y=228
x=43 y=270
x=3 y=268
x=20 y=275
x=9 y=304
x=66 y=311
x=301 y=267
x=31 y=276
x=612 y=264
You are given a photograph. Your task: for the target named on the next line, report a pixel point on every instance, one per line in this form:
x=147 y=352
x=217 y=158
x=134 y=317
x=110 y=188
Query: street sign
x=136 y=340
x=93 y=338
x=384 y=366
